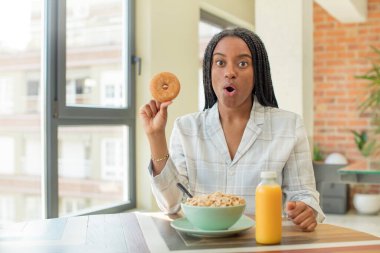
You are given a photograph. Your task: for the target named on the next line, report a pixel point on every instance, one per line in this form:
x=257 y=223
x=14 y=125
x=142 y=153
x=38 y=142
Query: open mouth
x=229 y=90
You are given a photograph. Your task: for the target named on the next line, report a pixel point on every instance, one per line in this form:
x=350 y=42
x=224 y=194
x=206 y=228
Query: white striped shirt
x=273 y=139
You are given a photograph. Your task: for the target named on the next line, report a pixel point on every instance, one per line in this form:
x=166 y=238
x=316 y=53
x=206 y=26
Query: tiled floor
x=365 y=223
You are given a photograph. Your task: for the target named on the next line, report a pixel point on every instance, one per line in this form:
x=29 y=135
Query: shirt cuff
x=320 y=216
x=167 y=175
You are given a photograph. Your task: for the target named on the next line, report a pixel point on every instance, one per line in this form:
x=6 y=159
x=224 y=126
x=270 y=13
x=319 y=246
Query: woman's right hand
x=154 y=116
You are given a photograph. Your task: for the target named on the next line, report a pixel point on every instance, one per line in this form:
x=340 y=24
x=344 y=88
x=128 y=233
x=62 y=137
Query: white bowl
x=336 y=158
x=367 y=203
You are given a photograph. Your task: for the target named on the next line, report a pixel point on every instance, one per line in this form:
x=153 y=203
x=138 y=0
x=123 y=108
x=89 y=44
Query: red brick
x=341 y=53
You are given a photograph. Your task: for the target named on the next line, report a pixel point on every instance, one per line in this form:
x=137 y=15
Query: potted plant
x=372 y=100
x=317 y=154
x=327 y=181
x=365 y=147
x=371 y=104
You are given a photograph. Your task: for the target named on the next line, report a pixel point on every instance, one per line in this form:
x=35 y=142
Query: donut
x=164 y=86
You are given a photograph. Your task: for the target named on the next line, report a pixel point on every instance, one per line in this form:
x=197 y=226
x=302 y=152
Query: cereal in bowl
x=216 y=199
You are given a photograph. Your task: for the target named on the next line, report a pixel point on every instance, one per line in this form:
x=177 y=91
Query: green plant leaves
x=361 y=140
x=372 y=101
x=368 y=148
x=317 y=155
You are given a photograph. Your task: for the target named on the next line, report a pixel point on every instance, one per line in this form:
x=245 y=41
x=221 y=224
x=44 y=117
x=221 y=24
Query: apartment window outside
x=7 y=157
x=83 y=175
x=32 y=207
x=71 y=205
x=32 y=157
x=7 y=209
x=33 y=87
x=32 y=96
x=112 y=160
x=62 y=96
x=87 y=40
x=6 y=95
x=112 y=94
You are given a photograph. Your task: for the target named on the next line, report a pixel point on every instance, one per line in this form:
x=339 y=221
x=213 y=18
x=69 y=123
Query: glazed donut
x=164 y=86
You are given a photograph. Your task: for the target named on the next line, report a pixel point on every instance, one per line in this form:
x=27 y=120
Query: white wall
x=240 y=13
x=167 y=40
x=286 y=28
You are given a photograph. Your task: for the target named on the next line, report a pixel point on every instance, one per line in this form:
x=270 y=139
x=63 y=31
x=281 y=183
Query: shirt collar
x=257 y=113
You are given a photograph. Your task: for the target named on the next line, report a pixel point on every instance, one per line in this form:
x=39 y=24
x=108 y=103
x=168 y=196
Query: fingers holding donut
x=154 y=107
x=154 y=116
x=164 y=86
x=146 y=111
x=164 y=108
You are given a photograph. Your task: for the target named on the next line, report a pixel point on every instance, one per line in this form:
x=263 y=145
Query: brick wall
x=342 y=51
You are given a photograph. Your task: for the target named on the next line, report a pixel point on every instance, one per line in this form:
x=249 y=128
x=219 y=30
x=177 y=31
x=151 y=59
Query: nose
x=229 y=72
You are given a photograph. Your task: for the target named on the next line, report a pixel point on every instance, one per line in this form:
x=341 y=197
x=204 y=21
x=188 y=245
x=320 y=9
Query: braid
x=263 y=87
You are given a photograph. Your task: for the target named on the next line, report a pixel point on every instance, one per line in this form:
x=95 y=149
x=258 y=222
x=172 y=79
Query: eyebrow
x=240 y=55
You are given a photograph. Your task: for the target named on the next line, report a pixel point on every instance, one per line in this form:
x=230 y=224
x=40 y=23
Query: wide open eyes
x=219 y=63
x=243 y=64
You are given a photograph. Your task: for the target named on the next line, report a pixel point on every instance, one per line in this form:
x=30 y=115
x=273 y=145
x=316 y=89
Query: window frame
x=56 y=113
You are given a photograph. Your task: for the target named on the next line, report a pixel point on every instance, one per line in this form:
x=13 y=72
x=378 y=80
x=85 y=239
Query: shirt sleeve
x=164 y=185
x=298 y=175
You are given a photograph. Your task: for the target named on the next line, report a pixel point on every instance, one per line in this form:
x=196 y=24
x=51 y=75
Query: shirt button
x=231 y=172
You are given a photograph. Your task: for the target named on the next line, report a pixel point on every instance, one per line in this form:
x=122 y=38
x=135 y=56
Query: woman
x=240 y=133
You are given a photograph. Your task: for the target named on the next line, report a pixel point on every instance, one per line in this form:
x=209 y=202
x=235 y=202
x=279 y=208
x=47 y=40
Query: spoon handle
x=184 y=190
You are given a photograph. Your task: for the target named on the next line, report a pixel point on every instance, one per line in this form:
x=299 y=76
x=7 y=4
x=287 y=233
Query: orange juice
x=268 y=209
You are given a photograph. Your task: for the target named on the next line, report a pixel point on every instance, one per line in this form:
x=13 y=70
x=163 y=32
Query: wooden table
x=151 y=232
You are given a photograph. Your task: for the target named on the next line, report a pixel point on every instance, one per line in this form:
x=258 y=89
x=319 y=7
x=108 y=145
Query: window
x=112 y=159
x=32 y=105
x=72 y=162
x=20 y=116
x=32 y=209
x=94 y=43
x=7 y=209
x=71 y=205
x=65 y=88
x=6 y=95
x=7 y=157
x=33 y=88
x=78 y=91
x=32 y=158
x=111 y=92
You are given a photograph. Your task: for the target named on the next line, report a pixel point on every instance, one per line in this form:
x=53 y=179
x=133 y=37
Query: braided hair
x=263 y=88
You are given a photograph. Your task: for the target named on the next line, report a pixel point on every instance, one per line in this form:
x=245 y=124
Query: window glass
x=92 y=159
x=93 y=167
x=20 y=127
x=7 y=158
x=7 y=209
x=94 y=56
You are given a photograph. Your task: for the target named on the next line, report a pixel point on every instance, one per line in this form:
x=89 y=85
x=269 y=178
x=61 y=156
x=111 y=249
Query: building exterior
x=92 y=166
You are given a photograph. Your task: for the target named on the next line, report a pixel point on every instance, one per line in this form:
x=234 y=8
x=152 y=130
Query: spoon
x=184 y=190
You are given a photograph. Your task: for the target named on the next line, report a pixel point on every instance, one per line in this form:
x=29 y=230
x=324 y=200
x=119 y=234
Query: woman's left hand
x=302 y=215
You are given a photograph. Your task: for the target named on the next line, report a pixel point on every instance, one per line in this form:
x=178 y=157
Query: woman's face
x=232 y=72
